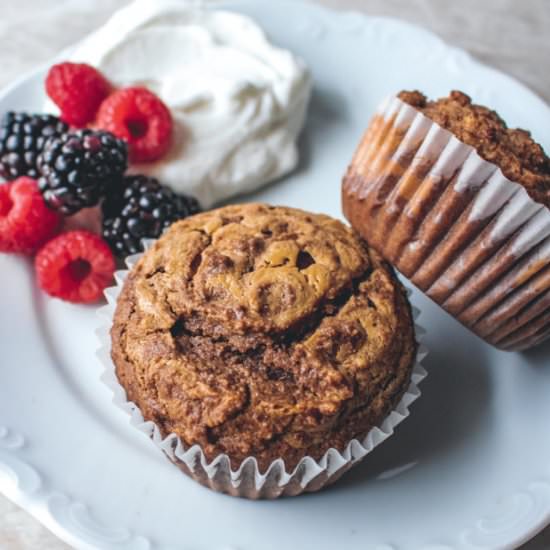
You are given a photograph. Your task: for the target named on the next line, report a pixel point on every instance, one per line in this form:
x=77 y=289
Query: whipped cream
x=238 y=102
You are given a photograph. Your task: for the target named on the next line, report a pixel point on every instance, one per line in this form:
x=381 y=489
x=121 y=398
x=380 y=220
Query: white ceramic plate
x=469 y=469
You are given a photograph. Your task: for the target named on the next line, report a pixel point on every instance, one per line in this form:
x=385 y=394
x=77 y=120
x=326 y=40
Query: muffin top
x=265 y=331
x=514 y=151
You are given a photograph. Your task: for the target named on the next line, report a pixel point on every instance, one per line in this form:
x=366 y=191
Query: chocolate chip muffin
x=263 y=331
x=459 y=203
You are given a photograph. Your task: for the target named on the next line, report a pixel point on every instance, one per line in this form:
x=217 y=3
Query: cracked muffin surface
x=263 y=331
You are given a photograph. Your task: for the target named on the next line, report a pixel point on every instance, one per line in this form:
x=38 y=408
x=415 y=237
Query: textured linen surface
x=511 y=35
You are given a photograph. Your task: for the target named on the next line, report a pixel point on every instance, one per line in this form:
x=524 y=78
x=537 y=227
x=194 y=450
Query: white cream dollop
x=238 y=102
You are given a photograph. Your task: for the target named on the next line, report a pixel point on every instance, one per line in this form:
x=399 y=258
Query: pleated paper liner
x=247 y=481
x=471 y=239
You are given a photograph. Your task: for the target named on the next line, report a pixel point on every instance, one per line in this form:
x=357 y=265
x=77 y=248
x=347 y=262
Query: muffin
x=459 y=203
x=263 y=332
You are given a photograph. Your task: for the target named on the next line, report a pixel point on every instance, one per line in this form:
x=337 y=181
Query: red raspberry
x=25 y=221
x=75 y=266
x=139 y=117
x=78 y=90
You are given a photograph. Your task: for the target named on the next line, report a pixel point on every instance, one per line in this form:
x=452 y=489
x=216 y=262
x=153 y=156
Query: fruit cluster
x=62 y=167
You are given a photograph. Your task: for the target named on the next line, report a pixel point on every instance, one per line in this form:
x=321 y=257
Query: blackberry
x=144 y=209
x=22 y=137
x=77 y=168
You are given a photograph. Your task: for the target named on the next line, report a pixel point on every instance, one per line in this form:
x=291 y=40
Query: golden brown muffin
x=459 y=204
x=514 y=151
x=263 y=331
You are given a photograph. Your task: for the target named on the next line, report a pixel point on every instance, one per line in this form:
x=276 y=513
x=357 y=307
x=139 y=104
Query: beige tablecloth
x=509 y=34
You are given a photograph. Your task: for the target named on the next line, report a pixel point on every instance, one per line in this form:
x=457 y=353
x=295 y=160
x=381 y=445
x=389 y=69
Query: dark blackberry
x=77 y=169
x=144 y=209
x=22 y=137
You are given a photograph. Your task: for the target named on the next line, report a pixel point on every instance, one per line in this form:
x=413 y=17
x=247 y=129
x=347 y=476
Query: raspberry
x=139 y=117
x=78 y=90
x=25 y=221
x=75 y=266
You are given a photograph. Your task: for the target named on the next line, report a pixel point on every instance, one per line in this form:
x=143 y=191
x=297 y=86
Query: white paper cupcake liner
x=247 y=481
x=450 y=221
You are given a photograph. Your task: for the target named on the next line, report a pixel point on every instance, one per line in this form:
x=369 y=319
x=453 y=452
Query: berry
x=78 y=90
x=25 y=220
x=77 y=168
x=139 y=117
x=144 y=209
x=75 y=266
x=22 y=137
